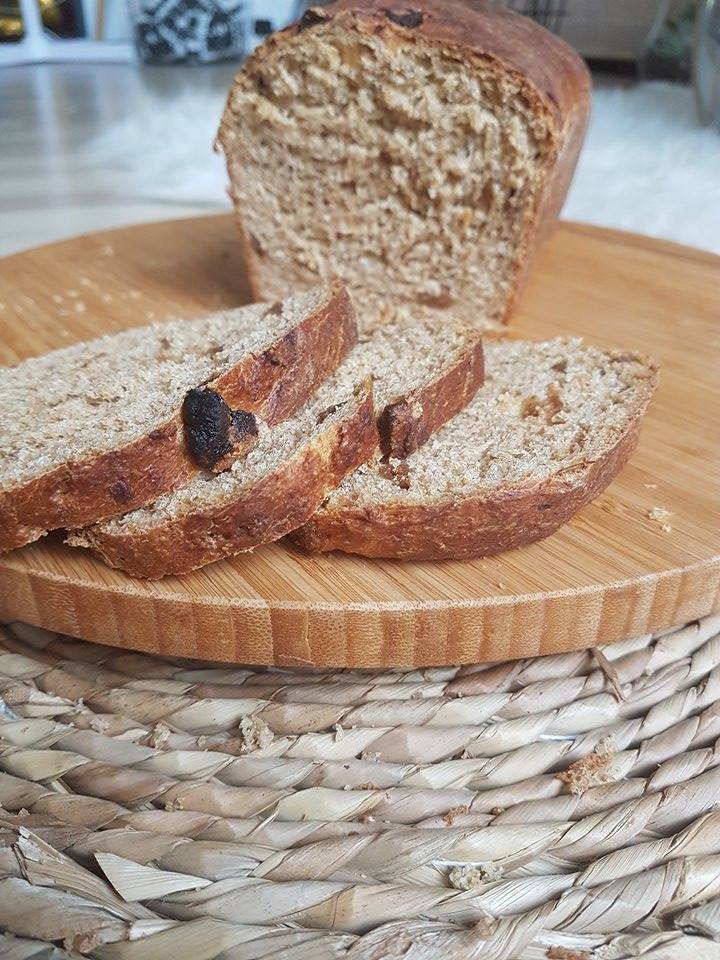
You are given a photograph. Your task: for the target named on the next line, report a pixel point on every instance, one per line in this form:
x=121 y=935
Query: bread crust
x=272 y=384
x=407 y=423
x=547 y=72
x=273 y=507
x=468 y=527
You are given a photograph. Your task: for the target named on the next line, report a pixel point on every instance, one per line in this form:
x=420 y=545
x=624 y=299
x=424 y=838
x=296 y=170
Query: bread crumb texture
x=100 y=395
x=398 y=359
x=371 y=154
x=546 y=408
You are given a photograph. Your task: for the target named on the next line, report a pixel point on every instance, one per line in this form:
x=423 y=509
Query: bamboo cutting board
x=612 y=573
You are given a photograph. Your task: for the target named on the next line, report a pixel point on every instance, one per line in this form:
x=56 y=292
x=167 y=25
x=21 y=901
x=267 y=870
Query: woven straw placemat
x=560 y=807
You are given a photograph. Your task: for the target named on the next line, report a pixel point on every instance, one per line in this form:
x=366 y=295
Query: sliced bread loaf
x=418 y=150
x=102 y=427
x=421 y=376
x=547 y=433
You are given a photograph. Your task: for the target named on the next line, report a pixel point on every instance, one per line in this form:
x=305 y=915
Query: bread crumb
x=72 y=293
x=486 y=926
x=99 y=724
x=57 y=298
x=172 y=805
x=157 y=737
x=563 y=953
x=650 y=486
x=455 y=812
x=106 y=250
x=662 y=516
x=134 y=294
x=80 y=307
x=256 y=733
x=339 y=732
x=106 y=298
x=591 y=770
x=496 y=811
x=466 y=877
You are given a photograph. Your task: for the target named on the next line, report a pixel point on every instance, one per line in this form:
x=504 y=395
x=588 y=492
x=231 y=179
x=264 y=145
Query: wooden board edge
x=364 y=635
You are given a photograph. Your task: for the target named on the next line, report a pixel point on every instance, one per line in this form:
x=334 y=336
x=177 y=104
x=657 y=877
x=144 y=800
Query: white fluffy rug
x=647 y=165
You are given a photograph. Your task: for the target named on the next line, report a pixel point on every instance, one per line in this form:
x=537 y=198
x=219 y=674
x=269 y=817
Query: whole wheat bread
x=421 y=374
x=97 y=429
x=417 y=150
x=552 y=426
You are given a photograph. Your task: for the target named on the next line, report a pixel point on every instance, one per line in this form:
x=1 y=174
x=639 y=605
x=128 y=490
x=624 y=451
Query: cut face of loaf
x=421 y=376
x=546 y=434
x=102 y=427
x=417 y=151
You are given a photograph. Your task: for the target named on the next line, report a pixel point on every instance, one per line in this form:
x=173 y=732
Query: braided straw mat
x=560 y=807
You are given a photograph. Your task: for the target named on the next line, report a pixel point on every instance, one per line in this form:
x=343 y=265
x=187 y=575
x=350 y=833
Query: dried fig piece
x=216 y=435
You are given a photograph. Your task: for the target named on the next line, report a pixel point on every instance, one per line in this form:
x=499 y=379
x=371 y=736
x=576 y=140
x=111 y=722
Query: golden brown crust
x=406 y=424
x=467 y=527
x=548 y=74
x=273 y=507
x=273 y=384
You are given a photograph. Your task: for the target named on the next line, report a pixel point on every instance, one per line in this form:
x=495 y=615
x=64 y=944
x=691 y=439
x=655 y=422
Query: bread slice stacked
x=391 y=393
x=104 y=427
x=553 y=424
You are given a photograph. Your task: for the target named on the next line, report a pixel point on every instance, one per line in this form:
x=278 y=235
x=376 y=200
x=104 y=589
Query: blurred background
x=108 y=109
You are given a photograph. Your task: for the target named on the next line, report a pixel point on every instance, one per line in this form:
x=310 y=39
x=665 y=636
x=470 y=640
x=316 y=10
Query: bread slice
x=97 y=429
x=418 y=150
x=547 y=433
x=421 y=375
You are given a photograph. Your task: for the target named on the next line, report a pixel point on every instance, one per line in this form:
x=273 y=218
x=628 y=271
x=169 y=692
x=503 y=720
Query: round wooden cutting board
x=615 y=571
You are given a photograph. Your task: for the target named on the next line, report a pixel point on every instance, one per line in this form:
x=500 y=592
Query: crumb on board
x=591 y=770
x=661 y=515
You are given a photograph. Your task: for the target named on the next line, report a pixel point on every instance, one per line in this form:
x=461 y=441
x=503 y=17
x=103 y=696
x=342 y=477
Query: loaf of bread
x=100 y=428
x=552 y=426
x=418 y=150
x=422 y=374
